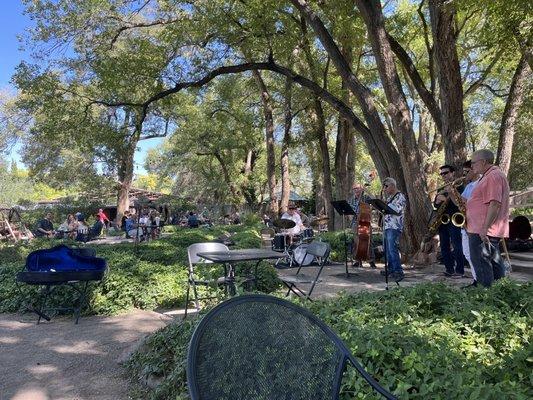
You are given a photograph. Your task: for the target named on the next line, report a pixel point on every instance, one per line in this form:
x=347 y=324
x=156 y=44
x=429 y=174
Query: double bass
x=363 y=235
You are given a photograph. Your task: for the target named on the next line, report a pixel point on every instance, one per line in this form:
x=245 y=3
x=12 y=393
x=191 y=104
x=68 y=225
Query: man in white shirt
x=293 y=216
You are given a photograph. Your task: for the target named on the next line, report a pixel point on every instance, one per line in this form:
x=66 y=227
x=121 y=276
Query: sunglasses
x=385 y=186
x=444 y=173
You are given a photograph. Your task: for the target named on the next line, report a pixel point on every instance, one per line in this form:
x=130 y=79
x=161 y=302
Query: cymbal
x=284 y=223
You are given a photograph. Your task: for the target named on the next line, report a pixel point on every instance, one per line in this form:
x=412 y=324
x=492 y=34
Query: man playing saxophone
x=470 y=181
x=449 y=234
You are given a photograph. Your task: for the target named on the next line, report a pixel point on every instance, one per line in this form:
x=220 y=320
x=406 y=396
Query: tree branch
x=429 y=48
x=426 y=96
x=476 y=84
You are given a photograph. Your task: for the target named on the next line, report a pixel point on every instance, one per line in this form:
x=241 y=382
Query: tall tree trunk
x=269 y=139
x=320 y=124
x=284 y=161
x=125 y=168
x=401 y=120
x=125 y=176
x=510 y=114
x=442 y=14
x=344 y=134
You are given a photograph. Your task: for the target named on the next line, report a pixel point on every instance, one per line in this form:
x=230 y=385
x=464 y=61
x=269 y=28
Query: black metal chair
x=257 y=347
x=320 y=251
x=193 y=280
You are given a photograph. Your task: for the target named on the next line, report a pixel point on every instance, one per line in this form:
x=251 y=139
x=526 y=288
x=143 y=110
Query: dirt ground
x=59 y=360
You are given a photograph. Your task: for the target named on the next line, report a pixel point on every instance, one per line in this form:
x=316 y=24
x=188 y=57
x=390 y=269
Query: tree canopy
x=252 y=96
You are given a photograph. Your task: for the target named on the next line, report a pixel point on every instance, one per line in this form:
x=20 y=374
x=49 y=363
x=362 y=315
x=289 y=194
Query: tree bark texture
x=343 y=143
x=284 y=160
x=442 y=14
x=269 y=139
x=379 y=145
x=125 y=176
x=320 y=123
x=398 y=110
x=510 y=114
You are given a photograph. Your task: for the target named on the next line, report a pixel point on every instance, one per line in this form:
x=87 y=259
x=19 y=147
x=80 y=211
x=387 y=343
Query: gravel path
x=59 y=360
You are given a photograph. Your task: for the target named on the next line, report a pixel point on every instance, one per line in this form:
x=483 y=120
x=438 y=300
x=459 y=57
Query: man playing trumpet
x=470 y=181
x=449 y=234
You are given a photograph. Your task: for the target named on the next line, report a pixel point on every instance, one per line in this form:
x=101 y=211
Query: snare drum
x=280 y=242
x=307 y=233
x=301 y=257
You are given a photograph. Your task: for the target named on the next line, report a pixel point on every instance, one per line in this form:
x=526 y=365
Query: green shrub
x=154 y=276
x=429 y=341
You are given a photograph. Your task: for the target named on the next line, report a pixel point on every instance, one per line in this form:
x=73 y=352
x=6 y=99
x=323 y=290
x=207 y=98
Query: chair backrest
x=318 y=249
x=196 y=248
x=263 y=347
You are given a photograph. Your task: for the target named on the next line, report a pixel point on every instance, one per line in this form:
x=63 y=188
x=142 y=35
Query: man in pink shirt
x=487 y=216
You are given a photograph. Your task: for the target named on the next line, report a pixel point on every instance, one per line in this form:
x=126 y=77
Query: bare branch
x=476 y=84
x=426 y=96
x=429 y=48
x=495 y=91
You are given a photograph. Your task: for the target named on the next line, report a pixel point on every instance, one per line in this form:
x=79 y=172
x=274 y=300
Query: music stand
x=344 y=208
x=384 y=209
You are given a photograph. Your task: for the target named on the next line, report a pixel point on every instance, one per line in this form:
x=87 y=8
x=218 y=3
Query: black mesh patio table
x=232 y=257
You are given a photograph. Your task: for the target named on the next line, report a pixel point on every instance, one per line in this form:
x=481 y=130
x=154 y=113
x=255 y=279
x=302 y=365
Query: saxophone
x=438 y=218
x=459 y=218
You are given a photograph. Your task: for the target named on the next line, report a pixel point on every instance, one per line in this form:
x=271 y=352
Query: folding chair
x=193 y=280
x=320 y=250
x=261 y=347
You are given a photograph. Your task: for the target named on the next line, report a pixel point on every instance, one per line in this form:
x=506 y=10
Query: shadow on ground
x=60 y=360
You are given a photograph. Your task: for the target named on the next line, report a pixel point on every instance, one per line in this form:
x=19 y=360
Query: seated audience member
x=236 y=218
x=192 y=220
x=97 y=228
x=69 y=227
x=45 y=228
x=82 y=230
x=144 y=224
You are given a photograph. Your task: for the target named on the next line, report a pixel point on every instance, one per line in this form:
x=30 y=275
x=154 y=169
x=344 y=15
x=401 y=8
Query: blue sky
x=12 y=23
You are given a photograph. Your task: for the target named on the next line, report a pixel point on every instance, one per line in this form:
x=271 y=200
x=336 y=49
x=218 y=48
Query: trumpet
x=455 y=183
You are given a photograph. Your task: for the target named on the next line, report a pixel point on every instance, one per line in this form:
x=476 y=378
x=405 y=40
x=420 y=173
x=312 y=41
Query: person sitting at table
x=45 y=227
x=82 y=231
x=97 y=228
x=192 y=220
x=68 y=227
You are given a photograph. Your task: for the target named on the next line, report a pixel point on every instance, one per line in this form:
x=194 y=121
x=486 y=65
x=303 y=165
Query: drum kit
x=294 y=246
